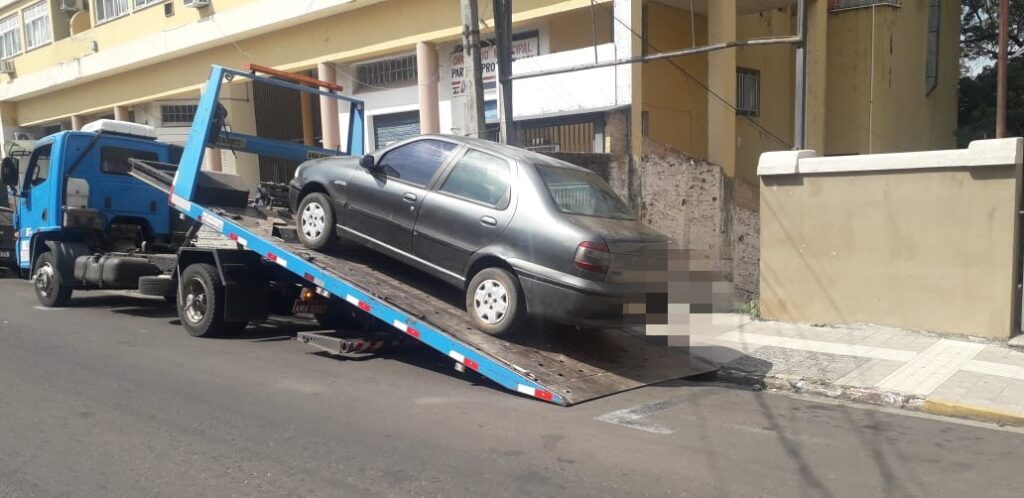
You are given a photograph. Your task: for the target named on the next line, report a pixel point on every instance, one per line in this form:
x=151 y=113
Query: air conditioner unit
x=196 y=4
x=7 y=67
x=69 y=6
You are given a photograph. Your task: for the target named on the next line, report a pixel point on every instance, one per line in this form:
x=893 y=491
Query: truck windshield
x=582 y=192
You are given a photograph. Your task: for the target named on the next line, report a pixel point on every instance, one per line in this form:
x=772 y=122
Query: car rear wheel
x=314 y=220
x=494 y=302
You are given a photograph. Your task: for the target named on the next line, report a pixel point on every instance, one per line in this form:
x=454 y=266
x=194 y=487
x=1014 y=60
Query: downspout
x=800 y=86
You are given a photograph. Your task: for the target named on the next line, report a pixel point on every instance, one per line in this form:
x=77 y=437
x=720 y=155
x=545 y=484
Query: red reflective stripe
x=413 y=332
x=471 y=364
x=542 y=394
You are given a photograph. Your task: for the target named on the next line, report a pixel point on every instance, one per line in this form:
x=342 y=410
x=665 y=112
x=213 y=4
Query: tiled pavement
x=946 y=375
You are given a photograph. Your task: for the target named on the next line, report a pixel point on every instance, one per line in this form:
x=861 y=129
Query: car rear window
x=583 y=192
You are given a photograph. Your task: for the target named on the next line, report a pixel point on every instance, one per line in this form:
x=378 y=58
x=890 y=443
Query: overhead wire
x=694 y=79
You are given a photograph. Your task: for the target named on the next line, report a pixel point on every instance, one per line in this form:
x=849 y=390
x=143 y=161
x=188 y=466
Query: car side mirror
x=9 y=172
x=367 y=162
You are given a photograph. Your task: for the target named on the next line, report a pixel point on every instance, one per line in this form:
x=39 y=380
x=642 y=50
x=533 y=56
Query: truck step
x=335 y=343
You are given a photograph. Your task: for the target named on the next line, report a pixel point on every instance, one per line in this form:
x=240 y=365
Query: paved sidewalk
x=881 y=365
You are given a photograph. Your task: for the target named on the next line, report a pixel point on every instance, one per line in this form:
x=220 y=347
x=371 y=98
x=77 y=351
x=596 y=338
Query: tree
x=980 y=29
x=977 y=108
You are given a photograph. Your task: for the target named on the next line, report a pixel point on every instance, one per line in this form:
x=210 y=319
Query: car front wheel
x=494 y=302
x=315 y=221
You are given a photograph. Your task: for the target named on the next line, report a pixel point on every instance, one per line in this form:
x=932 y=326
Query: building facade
x=881 y=77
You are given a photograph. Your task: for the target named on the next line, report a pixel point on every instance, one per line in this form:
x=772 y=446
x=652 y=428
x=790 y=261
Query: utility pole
x=475 y=124
x=503 y=33
x=1004 y=55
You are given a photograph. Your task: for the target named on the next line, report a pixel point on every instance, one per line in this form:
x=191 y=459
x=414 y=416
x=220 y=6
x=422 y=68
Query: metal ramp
x=574 y=365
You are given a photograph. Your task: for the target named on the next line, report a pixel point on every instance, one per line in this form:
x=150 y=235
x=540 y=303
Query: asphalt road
x=112 y=398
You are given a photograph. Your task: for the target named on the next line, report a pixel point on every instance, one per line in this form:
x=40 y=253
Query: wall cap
x=980 y=153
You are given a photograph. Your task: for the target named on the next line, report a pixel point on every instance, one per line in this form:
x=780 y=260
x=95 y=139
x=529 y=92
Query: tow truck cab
x=81 y=220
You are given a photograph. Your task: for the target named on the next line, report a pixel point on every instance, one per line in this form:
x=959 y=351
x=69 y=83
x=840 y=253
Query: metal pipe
x=800 y=82
x=1003 y=63
x=775 y=40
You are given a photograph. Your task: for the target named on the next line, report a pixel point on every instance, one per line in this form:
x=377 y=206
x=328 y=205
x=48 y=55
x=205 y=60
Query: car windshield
x=582 y=192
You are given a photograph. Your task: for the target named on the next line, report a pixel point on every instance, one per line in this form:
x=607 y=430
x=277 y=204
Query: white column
x=427 y=77
x=328 y=108
x=120 y=113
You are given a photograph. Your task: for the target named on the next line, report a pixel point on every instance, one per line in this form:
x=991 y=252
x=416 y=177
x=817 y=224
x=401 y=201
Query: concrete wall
x=925 y=241
x=696 y=203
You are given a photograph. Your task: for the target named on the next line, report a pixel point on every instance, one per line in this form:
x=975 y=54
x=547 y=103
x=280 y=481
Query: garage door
x=391 y=128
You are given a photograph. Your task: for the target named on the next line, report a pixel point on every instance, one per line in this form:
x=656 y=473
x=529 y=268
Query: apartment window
x=748 y=92
x=387 y=73
x=932 y=64
x=10 y=37
x=145 y=3
x=37 y=25
x=109 y=9
x=178 y=114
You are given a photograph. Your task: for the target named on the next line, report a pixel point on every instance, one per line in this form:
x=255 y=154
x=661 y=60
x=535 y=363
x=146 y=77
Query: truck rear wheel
x=46 y=277
x=201 y=303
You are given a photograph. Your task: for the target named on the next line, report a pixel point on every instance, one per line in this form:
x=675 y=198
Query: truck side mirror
x=367 y=162
x=9 y=172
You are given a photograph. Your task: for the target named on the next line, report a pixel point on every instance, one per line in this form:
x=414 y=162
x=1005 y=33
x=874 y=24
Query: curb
x=799 y=385
x=938 y=406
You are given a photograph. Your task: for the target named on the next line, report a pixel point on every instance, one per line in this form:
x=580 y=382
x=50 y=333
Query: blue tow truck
x=112 y=208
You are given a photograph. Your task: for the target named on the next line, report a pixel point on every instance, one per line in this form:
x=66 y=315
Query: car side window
x=416 y=162
x=480 y=177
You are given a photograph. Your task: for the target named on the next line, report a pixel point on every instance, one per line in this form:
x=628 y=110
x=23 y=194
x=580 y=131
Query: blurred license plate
x=313 y=307
x=5 y=253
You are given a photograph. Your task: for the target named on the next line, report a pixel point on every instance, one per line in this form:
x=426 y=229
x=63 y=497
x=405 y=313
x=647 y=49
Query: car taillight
x=592 y=256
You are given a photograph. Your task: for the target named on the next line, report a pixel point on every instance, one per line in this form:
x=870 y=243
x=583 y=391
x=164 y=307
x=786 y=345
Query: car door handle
x=409 y=197
x=489 y=221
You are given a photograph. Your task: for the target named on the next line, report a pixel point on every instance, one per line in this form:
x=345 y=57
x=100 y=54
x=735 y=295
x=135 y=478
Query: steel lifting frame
x=326 y=283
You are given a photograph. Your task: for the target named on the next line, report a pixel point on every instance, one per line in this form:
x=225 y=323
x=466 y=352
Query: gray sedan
x=523 y=234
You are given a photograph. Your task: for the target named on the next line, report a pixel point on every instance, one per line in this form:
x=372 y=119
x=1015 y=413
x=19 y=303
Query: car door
x=383 y=202
x=468 y=210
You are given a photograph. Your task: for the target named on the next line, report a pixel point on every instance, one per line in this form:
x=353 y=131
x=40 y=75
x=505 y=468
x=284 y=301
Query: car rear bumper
x=551 y=301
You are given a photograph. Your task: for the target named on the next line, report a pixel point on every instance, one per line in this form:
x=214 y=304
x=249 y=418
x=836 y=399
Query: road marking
x=633 y=417
x=819 y=346
x=928 y=370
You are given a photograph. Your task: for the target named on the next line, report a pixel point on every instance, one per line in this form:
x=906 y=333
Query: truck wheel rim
x=195 y=301
x=45 y=279
x=490 y=301
x=313 y=220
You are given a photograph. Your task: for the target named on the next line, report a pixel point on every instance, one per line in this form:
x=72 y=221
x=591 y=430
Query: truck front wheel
x=201 y=303
x=46 y=278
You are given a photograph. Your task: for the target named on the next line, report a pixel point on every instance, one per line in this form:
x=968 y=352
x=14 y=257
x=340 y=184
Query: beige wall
x=930 y=249
x=776 y=64
x=877 y=97
x=676 y=105
x=574 y=29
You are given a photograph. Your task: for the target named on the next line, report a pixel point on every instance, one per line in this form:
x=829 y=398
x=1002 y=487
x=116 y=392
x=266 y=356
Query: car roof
x=517 y=153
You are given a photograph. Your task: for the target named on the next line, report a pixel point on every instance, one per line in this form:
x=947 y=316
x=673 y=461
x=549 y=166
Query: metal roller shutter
x=391 y=128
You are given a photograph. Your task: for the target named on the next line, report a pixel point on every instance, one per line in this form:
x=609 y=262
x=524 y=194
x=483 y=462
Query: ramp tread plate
x=579 y=365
